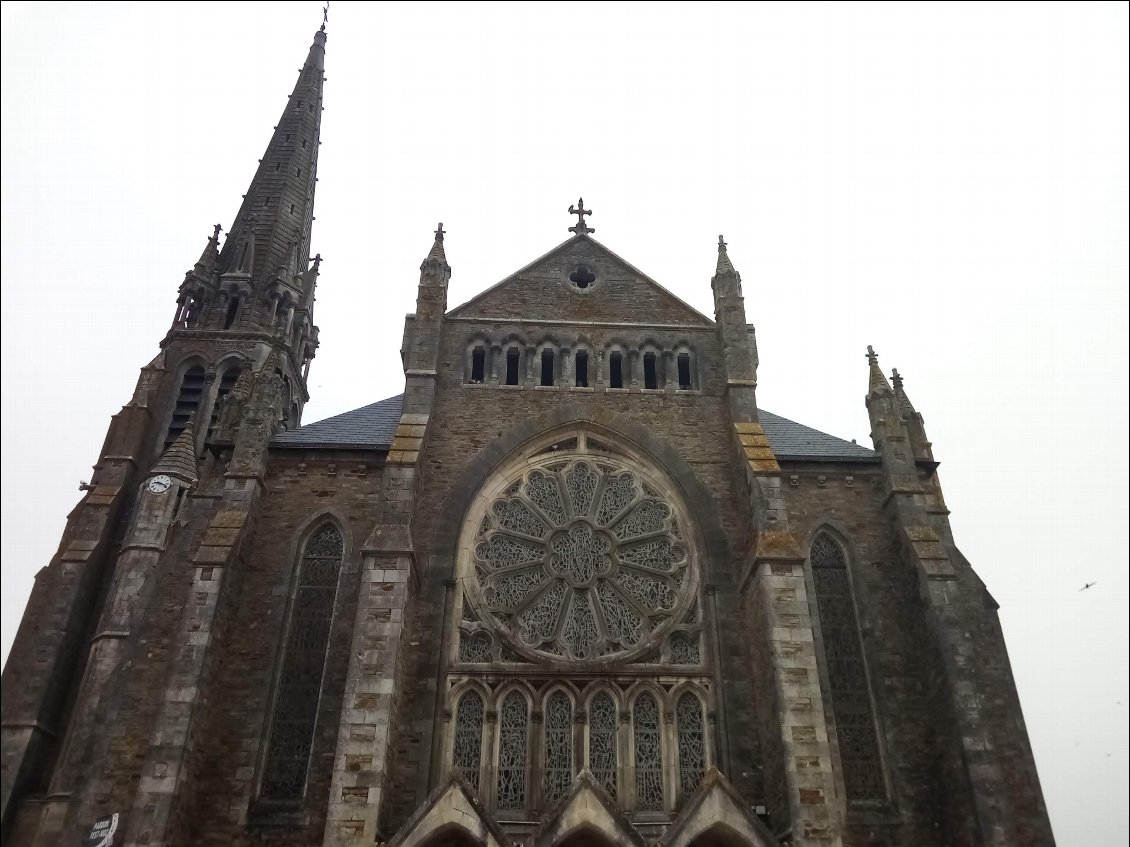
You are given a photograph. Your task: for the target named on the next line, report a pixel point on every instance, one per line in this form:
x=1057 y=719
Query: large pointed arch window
x=303 y=663
x=847 y=686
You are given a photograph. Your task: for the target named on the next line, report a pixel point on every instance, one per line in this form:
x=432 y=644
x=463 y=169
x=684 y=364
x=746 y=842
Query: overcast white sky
x=946 y=182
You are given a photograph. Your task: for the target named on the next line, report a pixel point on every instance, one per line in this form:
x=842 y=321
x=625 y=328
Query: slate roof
x=791 y=440
x=372 y=428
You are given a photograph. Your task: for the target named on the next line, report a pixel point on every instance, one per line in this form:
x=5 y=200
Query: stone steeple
x=278 y=209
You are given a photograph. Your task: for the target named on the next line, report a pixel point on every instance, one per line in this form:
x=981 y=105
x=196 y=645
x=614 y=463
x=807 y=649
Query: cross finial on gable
x=439 y=232
x=580 y=211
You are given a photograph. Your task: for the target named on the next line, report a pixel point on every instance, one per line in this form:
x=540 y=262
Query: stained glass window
x=304 y=659
x=602 y=742
x=684 y=648
x=848 y=690
x=467 y=756
x=474 y=647
x=692 y=744
x=649 y=761
x=558 y=747
x=513 y=721
x=581 y=560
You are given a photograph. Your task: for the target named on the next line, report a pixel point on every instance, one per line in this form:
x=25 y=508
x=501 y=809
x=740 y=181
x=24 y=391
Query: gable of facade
x=580 y=281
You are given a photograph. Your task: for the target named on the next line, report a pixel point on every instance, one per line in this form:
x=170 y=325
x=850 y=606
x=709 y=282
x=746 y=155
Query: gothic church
x=572 y=587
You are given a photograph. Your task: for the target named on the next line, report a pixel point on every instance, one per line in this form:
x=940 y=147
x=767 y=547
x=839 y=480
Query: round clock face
x=160 y=484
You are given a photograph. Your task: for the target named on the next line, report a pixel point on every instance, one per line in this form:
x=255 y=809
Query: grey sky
x=945 y=182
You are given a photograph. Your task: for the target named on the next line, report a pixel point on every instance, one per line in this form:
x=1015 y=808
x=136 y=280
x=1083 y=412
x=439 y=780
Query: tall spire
x=278 y=208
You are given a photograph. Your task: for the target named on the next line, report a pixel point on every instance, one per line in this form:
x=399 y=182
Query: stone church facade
x=571 y=587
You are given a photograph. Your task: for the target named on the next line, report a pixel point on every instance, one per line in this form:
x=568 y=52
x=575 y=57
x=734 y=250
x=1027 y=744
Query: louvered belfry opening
x=188 y=401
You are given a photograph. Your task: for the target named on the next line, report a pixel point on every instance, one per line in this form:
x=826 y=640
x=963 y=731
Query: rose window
x=581 y=560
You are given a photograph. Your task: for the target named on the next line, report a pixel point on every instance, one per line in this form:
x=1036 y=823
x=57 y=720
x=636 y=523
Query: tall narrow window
x=649 y=762
x=227 y=383
x=304 y=660
x=547 y=367
x=188 y=400
x=558 y=747
x=232 y=313
x=650 y=380
x=513 y=719
x=478 y=365
x=684 y=362
x=692 y=744
x=602 y=742
x=582 y=369
x=468 y=754
x=512 y=360
x=848 y=690
x=615 y=370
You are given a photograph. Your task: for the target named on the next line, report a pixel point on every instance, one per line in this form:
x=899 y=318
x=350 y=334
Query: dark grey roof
x=791 y=440
x=372 y=427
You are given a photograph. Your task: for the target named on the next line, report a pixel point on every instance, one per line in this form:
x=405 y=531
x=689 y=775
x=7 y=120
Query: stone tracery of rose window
x=579 y=559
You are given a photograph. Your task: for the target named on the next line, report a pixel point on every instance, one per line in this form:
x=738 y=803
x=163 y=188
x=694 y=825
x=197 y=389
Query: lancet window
x=615 y=369
x=691 y=735
x=648 y=753
x=513 y=753
x=469 y=738
x=847 y=688
x=558 y=747
x=602 y=741
x=303 y=662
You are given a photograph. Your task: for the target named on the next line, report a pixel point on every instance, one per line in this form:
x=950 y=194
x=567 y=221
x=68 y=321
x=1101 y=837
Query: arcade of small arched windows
x=519 y=745
x=646 y=366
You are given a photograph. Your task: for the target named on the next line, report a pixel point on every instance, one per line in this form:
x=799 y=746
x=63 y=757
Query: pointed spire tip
x=725 y=266
x=877 y=382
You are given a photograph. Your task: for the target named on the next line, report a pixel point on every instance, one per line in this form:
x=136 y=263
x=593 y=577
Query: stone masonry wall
x=848 y=500
x=300 y=490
